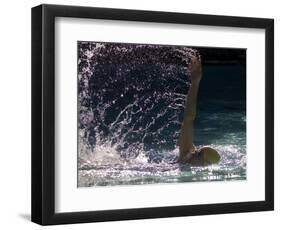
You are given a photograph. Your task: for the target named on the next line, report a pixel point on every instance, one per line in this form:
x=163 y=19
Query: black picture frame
x=43 y=114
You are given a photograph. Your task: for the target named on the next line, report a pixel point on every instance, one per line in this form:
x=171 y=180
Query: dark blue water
x=131 y=107
x=222 y=107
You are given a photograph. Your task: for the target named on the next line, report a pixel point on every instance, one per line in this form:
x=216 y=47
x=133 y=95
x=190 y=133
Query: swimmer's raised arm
x=186 y=146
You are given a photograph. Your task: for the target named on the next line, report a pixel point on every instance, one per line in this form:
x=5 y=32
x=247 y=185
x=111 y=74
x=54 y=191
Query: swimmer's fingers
x=195 y=69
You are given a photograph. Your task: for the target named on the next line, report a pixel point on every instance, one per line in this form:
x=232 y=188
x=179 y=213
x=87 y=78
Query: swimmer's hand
x=195 y=70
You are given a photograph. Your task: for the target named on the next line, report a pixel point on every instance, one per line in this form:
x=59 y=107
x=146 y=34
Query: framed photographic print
x=142 y=114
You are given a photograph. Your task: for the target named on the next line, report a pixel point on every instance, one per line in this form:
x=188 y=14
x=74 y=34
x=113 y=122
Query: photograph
x=160 y=113
x=172 y=113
